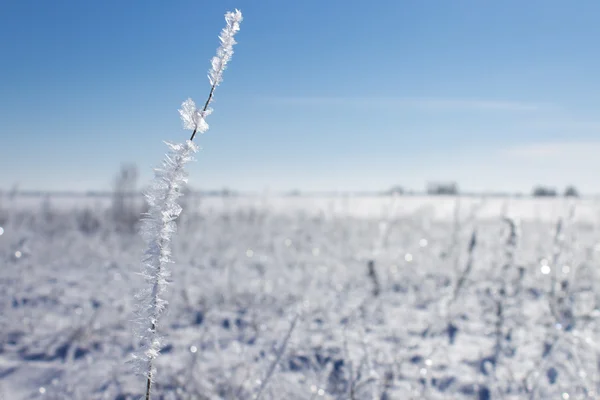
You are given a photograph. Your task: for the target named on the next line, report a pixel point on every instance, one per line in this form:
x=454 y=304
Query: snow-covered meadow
x=336 y=297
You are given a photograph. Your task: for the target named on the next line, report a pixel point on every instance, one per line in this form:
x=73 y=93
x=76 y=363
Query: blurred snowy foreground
x=392 y=298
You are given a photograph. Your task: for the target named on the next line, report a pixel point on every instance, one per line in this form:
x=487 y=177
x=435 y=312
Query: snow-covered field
x=307 y=298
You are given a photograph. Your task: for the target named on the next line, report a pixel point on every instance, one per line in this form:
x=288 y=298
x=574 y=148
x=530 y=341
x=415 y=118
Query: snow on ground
x=395 y=298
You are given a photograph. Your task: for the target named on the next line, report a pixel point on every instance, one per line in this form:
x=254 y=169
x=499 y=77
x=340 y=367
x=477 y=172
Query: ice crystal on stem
x=157 y=229
x=192 y=117
x=225 y=51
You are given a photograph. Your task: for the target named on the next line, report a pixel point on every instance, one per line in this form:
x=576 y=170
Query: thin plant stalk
x=275 y=362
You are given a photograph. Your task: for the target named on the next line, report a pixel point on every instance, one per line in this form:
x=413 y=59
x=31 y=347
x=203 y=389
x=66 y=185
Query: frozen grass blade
x=159 y=224
x=158 y=227
x=277 y=359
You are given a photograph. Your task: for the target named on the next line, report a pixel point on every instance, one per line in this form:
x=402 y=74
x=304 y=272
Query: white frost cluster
x=157 y=229
x=194 y=118
x=225 y=51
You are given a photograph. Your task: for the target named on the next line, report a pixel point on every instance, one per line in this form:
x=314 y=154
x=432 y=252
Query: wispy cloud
x=553 y=150
x=563 y=123
x=471 y=104
x=442 y=104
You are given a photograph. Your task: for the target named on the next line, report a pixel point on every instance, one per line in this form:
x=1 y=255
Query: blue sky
x=320 y=95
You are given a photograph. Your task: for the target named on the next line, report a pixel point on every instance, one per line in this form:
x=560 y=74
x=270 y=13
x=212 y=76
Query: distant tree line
x=442 y=188
x=544 y=191
x=451 y=189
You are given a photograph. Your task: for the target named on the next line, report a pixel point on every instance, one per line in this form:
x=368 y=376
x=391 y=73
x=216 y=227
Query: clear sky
x=320 y=94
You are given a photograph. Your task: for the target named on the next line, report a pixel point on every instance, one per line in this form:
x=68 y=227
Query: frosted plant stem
x=275 y=362
x=350 y=367
x=466 y=272
x=160 y=223
x=210 y=96
x=158 y=228
x=502 y=297
x=155 y=299
x=149 y=385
